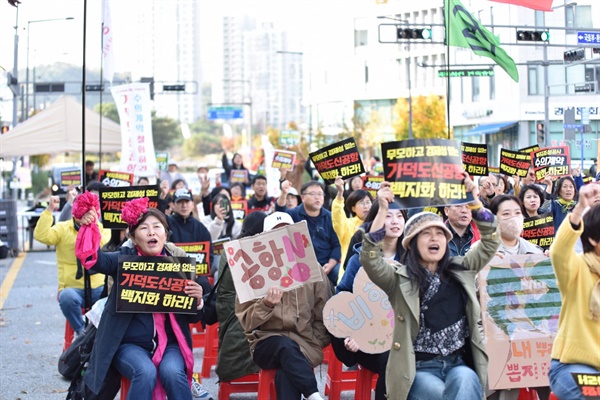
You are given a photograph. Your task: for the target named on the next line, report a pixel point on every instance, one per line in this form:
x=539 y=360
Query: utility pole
x=15 y=74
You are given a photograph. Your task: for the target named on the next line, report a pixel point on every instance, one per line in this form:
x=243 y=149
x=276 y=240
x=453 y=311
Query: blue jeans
x=135 y=364
x=447 y=378
x=71 y=301
x=561 y=381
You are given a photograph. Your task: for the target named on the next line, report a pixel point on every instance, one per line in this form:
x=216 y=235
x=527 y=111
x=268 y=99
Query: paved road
x=32 y=332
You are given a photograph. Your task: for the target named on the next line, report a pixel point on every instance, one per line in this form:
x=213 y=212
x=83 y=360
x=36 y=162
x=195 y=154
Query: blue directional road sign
x=588 y=38
x=224 y=112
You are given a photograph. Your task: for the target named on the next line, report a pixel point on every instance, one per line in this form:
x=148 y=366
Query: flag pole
x=83 y=96
x=101 y=91
x=446 y=38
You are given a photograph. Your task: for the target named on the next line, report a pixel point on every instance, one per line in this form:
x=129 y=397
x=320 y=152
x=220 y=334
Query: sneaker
x=198 y=392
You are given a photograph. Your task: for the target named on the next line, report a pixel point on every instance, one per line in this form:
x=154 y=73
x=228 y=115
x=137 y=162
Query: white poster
x=133 y=104
x=108 y=53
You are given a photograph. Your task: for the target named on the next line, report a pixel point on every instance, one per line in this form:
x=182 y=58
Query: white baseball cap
x=276 y=219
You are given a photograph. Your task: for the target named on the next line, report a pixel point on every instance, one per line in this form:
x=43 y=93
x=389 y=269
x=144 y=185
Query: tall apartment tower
x=169 y=51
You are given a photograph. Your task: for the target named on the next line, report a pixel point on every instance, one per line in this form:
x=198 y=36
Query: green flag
x=463 y=30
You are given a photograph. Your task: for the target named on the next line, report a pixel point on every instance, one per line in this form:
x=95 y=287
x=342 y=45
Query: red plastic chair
x=211 y=349
x=553 y=396
x=245 y=384
x=266 y=384
x=528 y=394
x=338 y=380
x=69 y=334
x=124 y=388
x=198 y=335
x=365 y=383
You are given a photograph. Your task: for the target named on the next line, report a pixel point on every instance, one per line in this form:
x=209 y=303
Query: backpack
x=75 y=365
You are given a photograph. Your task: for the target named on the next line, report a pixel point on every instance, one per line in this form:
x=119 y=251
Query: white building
x=494 y=110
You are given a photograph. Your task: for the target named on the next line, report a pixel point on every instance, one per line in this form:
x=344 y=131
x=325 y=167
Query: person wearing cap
x=320 y=225
x=292 y=199
x=171 y=174
x=286 y=330
x=437 y=350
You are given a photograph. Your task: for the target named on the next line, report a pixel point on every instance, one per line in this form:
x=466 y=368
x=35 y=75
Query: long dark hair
x=151 y=212
x=229 y=221
x=369 y=221
x=416 y=272
x=535 y=189
x=559 y=184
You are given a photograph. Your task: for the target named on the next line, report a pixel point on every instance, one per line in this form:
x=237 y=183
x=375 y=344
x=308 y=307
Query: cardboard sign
x=494 y=170
x=162 y=161
x=283 y=159
x=365 y=315
x=113 y=199
x=530 y=149
x=289 y=137
x=520 y=305
x=238 y=175
x=589 y=384
x=539 y=230
x=155 y=284
x=115 y=179
x=239 y=209
x=372 y=183
x=283 y=257
x=553 y=161
x=71 y=177
x=200 y=251
x=475 y=158
x=424 y=172
x=219 y=246
x=514 y=163
x=338 y=159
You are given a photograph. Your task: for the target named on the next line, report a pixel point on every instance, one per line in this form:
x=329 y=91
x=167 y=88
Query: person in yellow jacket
x=359 y=203
x=71 y=296
x=576 y=347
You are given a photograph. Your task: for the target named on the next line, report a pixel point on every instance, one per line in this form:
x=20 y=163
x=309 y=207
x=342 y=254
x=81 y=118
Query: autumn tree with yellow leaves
x=429 y=118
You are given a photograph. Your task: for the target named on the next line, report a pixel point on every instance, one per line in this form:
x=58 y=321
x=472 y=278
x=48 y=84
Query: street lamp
x=27 y=67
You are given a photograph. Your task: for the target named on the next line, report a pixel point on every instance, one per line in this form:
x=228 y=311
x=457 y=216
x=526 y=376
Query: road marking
x=9 y=279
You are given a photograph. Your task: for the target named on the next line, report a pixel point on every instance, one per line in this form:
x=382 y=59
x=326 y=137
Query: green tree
x=429 y=118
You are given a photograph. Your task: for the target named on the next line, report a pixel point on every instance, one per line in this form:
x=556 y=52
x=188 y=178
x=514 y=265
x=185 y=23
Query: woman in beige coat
x=437 y=350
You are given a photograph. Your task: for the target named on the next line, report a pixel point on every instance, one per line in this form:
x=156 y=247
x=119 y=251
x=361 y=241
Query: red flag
x=541 y=5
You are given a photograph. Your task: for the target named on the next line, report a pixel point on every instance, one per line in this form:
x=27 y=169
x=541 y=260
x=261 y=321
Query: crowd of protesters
x=436 y=353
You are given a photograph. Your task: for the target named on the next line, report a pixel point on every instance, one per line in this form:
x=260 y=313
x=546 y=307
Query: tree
x=429 y=118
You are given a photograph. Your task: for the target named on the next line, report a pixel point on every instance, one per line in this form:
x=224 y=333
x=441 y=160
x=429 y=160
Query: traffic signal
x=5 y=129
x=574 y=55
x=533 y=36
x=541 y=135
x=412 y=33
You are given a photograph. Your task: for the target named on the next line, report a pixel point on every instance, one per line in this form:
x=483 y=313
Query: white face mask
x=512 y=227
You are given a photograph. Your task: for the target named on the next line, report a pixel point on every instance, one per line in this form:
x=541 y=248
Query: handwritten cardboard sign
x=514 y=163
x=372 y=183
x=71 y=177
x=475 y=158
x=424 y=172
x=200 y=251
x=338 y=159
x=365 y=315
x=283 y=159
x=539 y=230
x=115 y=179
x=155 y=284
x=553 y=161
x=283 y=257
x=520 y=305
x=113 y=199
x=238 y=176
x=530 y=149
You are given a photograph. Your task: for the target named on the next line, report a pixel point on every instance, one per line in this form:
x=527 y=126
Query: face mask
x=512 y=227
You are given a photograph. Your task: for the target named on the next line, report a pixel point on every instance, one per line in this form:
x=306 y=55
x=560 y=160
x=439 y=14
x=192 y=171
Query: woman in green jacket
x=437 y=350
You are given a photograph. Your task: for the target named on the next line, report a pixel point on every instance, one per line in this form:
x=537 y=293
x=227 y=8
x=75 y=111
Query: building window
x=492 y=87
x=475 y=89
x=578 y=17
x=532 y=80
x=360 y=37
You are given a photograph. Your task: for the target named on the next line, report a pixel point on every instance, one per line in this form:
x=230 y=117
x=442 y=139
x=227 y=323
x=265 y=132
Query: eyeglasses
x=365 y=203
x=314 y=194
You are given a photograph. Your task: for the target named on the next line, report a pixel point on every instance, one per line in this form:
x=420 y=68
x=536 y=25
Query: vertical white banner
x=271 y=173
x=134 y=106
x=108 y=53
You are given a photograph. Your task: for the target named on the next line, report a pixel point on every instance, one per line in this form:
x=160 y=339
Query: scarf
x=188 y=357
x=593 y=263
x=566 y=206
